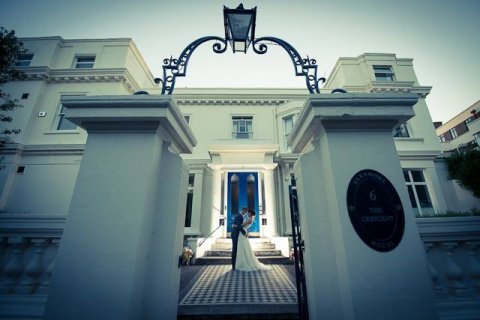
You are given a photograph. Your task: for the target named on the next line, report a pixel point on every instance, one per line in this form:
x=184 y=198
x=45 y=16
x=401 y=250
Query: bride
x=246 y=260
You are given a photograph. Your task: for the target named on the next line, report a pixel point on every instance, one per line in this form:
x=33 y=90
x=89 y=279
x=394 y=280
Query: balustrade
x=452 y=246
x=28 y=247
x=25 y=267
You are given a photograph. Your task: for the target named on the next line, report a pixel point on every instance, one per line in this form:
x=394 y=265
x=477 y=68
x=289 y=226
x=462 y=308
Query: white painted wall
x=210 y=112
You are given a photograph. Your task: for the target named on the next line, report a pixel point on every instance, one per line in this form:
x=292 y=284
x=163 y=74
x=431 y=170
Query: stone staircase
x=221 y=251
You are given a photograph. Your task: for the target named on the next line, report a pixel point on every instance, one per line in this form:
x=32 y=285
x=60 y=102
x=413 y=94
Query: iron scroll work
x=304 y=67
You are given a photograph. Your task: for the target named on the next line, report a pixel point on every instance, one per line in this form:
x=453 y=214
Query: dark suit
x=238 y=220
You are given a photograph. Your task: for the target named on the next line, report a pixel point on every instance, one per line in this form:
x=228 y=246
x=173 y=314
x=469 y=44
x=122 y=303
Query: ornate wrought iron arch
x=304 y=67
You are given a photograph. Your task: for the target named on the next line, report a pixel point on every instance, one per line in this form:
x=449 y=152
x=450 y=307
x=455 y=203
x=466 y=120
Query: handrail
x=205 y=239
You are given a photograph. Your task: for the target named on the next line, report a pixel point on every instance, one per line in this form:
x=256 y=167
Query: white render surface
x=119 y=211
x=349 y=280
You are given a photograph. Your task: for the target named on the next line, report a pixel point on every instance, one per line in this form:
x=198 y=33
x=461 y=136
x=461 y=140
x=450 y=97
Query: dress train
x=246 y=259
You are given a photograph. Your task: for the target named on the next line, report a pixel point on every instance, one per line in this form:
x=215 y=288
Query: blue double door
x=242 y=191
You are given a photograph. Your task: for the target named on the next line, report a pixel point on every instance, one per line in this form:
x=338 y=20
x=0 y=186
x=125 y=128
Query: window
x=187 y=118
x=442 y=138
x=242 y=127
x=454 y=133
x=418 y=193
x=188 y=214
x=24 y=60
x=24 y=96
x=64 y=124
x=287 y=128
x=383 y=73
x=401 y=131
x=477 y=138
x=84 y=62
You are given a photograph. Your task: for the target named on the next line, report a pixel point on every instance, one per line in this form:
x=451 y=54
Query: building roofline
x=59 y=38
x=460 y=117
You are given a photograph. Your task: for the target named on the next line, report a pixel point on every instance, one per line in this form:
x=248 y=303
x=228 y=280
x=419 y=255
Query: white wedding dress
x=246 y=260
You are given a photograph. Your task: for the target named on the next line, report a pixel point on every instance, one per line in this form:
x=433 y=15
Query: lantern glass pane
x=239 y=46
x=239 y=25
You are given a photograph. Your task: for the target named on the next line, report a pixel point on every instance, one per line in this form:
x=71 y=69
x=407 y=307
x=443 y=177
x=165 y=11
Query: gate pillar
x=119 y=253
x=354 y=267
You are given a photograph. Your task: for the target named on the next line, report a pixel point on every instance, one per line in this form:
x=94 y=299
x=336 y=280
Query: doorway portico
x=244 y=177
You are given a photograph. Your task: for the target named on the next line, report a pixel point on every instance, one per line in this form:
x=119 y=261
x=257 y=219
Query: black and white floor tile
x=218 y=285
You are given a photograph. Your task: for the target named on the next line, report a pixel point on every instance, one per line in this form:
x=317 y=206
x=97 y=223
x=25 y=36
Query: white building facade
x=241 y=158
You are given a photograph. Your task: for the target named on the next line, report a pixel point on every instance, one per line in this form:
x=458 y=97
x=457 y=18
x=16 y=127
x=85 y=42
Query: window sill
x=62 y=132
x=408 y=139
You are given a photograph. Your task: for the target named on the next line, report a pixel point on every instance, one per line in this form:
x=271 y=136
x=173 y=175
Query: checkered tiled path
x=218 y=285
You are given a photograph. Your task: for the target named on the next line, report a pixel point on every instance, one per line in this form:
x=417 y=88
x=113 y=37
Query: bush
x=465 y=167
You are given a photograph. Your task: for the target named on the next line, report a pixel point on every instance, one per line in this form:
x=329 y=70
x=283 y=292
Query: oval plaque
x=375 y=210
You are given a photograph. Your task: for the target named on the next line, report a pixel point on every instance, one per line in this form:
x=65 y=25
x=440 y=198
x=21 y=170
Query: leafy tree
x=10 y=50
x=465 y=167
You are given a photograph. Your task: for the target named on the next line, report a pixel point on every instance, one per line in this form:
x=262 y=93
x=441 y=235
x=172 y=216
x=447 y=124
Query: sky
x=442 y=37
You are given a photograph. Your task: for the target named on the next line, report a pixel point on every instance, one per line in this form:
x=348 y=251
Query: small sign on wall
x=375 y=210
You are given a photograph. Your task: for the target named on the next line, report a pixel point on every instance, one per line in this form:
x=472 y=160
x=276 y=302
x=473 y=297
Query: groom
x=236 y=229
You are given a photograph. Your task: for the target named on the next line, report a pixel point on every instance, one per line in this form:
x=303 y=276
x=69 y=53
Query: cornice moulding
x=82 y=76
x=429 y=155
x=31 y=225
x=246 y=102
x=57 y=149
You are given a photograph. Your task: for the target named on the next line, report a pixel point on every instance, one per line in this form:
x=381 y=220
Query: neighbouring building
x=241 y=158
x=462 y=131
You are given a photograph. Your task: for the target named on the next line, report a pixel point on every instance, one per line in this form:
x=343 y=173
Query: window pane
x=249 y=126
x=64 y=124
x=288 y=125
x=401 y=131
x=382 y=69
x=84 y=62
x=453 y=132
x=24 y=60
x=406 y=176
x=85 y=59
x=242 y=127
x=191 y=180
x=423 y=196
x=477 y=138
x=383 y=73
x=412 y=196
x=418 y=176
x=188 y=214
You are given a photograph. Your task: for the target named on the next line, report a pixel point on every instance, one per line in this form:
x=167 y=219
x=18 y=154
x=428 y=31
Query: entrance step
x=227 y=260
x=221 y=251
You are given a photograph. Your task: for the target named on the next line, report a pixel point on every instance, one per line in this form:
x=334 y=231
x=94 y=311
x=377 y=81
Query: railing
x=29 y=243
x=209 y=235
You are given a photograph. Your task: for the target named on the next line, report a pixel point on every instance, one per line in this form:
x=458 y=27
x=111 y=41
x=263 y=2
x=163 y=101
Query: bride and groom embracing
x=243 y=257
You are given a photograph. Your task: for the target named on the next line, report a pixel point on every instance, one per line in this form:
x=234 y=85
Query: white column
x=345 y=277
x=118 y=257
x=197 y=200
x=217 y=209
x=285 y=183
x=196 y=203
x=435 y=188
x=269 y=205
